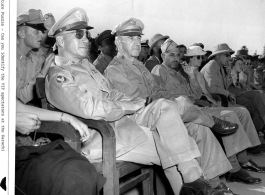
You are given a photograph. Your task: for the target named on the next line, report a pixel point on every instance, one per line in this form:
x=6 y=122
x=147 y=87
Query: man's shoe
x=224 y=187
x=242 y=176
x=201 y=187
x=252 y=166
x=261 y=147
x=256 y=151
x=224 y=127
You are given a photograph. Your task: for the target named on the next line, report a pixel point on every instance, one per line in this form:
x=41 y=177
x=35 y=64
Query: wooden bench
x=121 y=176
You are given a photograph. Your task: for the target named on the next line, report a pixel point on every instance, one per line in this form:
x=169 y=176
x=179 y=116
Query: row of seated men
x=153 y=114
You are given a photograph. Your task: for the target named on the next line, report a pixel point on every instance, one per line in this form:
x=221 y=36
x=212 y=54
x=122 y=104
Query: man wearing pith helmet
x=130 y=76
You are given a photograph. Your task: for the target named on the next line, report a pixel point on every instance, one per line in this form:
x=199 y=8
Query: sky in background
x=235 y=22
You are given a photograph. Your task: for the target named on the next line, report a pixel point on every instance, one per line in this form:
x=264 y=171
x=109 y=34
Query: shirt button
x=85 y=91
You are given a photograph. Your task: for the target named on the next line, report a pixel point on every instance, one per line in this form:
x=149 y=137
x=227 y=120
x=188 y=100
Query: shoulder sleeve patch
x=60 y=79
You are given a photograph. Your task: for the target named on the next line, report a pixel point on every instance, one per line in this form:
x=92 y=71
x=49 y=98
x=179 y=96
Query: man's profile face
x=144 y=52
x=32 y=37
x=171 y=58
x=182 y=51
x=157 y=46
x=224 y=58
x=108 y=47
x=75 y=44
x=131 y=45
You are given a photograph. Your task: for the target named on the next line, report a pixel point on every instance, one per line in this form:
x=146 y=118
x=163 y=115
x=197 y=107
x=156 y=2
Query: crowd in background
x=156 y=83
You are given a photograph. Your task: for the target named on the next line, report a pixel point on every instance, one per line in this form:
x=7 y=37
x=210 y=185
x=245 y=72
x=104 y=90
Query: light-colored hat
x=168 y=45
x=195 y=51
x=130 y=27
x=221 y=48
x=155 y=39
x=74 y=19
x=49 y=21
x=198 y=44
x=32 y=18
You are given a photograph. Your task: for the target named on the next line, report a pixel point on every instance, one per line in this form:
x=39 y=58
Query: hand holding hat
x=49 y=21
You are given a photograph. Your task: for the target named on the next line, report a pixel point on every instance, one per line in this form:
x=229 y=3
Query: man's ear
x=155 y=48
x=163 y=56
x=60 y=41
x=21 y=32
x=118 y=43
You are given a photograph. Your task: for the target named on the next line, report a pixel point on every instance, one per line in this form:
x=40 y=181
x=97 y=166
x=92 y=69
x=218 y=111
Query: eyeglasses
x=198 y=57
x=79 y=34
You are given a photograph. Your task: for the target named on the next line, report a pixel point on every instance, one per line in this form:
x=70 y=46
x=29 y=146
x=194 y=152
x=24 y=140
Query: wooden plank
x=133 y=182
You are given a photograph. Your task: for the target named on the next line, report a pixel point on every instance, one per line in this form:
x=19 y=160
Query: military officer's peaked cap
x=103 y=36
x=32 y=18
x=74 y=19
x=130 y=27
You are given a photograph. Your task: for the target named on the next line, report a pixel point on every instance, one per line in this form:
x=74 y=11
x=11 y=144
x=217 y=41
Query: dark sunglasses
x=79 y=34
x=248 y=63
x=198 y=57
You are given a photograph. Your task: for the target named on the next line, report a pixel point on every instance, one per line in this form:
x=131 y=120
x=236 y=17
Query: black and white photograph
x=132 y=97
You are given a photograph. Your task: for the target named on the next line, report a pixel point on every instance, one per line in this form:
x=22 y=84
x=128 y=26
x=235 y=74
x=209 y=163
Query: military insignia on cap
x=78 y=15
x=60 y=79
x=133 y=22
x=41 y=14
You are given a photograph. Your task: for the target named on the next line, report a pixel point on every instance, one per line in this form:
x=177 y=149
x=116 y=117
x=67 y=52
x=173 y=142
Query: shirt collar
x=64 y=62
x=106 y=57
x=168 y=68
x=157 y=59
x=70 y=64
x=216 y=64
x=21 y=57
x=126 y=61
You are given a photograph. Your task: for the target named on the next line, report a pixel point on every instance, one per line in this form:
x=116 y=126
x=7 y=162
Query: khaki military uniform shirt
x=134 y=80
x=176 y=83
x=78 y=88
x=28 y=67
x=102 y=62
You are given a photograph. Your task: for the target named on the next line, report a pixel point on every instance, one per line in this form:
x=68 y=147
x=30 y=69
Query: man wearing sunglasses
x=30 y=28
x=107 y=47
x=75 y=86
